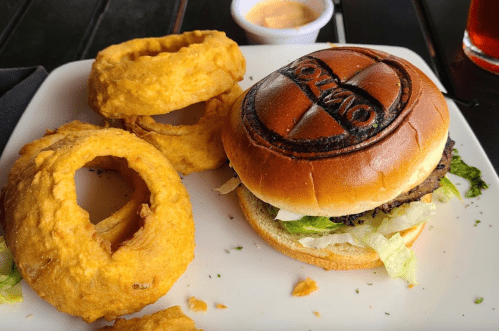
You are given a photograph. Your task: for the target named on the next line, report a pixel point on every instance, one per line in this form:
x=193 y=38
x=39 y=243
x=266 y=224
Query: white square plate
x=458 y=261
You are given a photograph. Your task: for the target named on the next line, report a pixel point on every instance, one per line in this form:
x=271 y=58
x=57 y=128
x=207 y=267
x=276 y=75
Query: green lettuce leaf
x=459 y=168
x=311 y=224
x=12 y=294
x=10 y=277
x=446 y=191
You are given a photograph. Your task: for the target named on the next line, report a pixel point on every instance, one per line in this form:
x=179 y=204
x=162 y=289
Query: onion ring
x=60 y=253
x=190 y=148
x=153 y=76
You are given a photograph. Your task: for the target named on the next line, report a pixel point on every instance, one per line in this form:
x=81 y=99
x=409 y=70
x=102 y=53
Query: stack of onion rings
x=65 y=258
x=151 y=76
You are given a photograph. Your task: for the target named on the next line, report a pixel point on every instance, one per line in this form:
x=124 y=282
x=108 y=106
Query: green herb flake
x=459 y=168
x=476 y=222
x=239 y=248
x=479 y=300
x=357 y=291
x=218 y=275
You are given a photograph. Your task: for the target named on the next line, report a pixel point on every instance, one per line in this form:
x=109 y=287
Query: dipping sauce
x=280 y=14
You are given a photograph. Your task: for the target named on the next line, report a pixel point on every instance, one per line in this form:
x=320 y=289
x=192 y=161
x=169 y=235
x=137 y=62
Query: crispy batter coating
x=87 y=270
x=152 y=76
x=170 y=319
x=190 y=148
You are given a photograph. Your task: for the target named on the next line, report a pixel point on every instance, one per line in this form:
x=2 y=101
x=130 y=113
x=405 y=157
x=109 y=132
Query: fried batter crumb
x=305 y=287
x=197 y=305
x=220 y=306
x=317 y=314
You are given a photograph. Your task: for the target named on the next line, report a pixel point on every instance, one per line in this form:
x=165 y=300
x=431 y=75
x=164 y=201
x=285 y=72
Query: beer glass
x=481 y=38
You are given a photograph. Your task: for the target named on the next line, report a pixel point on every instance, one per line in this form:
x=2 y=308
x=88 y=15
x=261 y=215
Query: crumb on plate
x=197 y=305
x=220 y=306
x=305 y=287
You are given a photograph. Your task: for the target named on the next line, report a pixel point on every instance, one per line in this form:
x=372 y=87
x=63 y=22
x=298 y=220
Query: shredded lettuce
x=399 y=260
x=12 y=295
x=417 y=213
x=310 y=224
x=229 y=185
x=321 y=242
x=446 y=191
x=10 y=278
x=459 y=168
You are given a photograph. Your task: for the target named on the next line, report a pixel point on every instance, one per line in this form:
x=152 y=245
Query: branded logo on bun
x=338 y=153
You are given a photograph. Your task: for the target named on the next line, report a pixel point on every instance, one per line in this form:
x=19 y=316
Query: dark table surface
x=50 y=33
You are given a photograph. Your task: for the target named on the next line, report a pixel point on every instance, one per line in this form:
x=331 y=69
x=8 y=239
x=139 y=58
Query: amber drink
x=481 y=38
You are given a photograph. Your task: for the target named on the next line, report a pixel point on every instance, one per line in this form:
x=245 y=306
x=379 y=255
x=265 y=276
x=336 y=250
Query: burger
x=337 y=154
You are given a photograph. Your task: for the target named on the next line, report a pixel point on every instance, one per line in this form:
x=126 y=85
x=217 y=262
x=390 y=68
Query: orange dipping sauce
x=280 y=14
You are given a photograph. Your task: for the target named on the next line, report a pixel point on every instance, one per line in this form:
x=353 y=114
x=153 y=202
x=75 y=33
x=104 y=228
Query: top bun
x=337 y=132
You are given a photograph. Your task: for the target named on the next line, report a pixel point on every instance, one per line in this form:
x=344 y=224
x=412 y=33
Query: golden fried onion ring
x=170 y=319
x=60 y=253
x=190 y=148
x=153 y=76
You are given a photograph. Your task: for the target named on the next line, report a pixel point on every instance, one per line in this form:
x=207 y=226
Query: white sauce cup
x=305 y=34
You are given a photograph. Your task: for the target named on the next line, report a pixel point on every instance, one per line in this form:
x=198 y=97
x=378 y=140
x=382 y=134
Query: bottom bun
x=338 y=256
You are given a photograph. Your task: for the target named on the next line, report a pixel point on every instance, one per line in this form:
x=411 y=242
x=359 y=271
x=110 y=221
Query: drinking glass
x=481 y=38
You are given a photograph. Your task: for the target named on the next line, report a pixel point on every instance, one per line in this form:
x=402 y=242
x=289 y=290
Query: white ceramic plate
x=458 y=261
